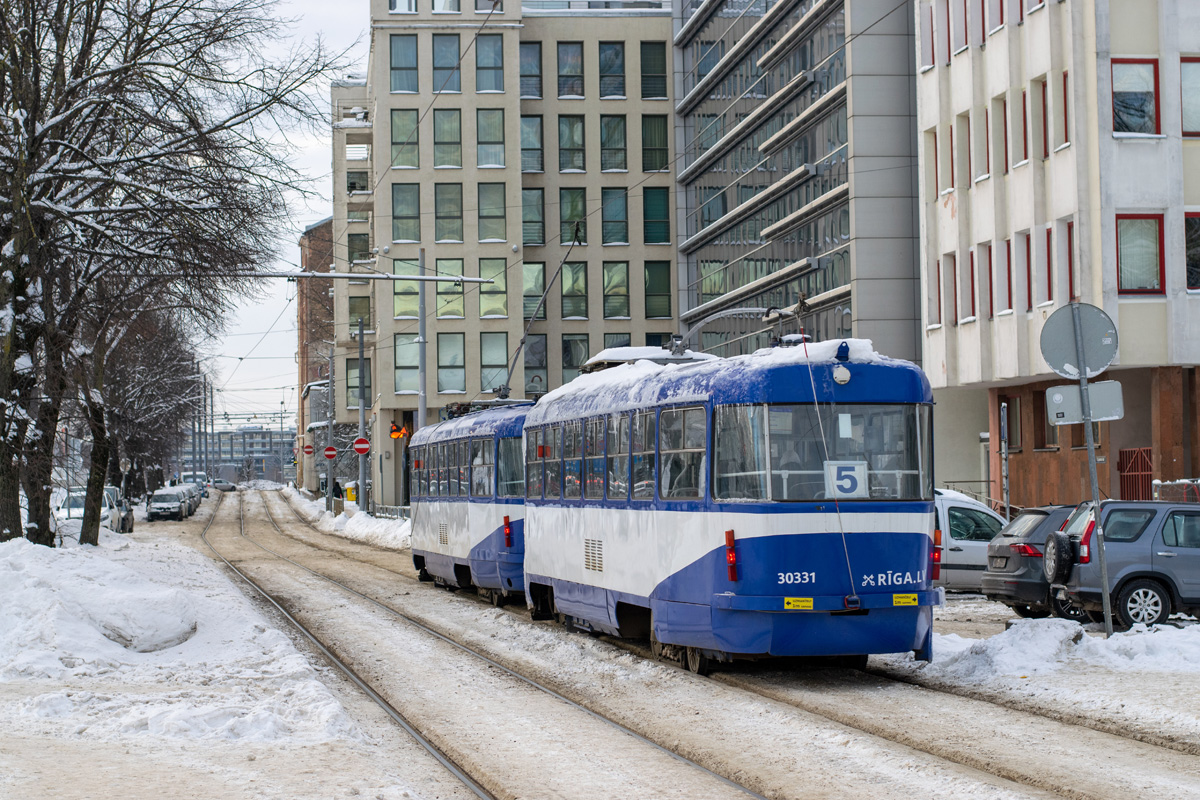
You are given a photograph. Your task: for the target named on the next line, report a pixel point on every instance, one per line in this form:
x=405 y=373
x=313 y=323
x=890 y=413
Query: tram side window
x=572 y=465
x=618 y=457
x=534 y=475
x=593 y=453
x=741 y=461
x=424 y=471
x=452 y=468
x=552 y=438
x=483 y=470
x=464 y=468
x=414 y=472
x=682 y=433
x=643 y=455
x=436 y=453
x=510 y=469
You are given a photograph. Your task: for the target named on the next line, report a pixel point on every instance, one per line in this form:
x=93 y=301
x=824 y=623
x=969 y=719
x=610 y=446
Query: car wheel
x=1142 y=601
x=1030 y=611
x=1056 y=561
x=1064 y=610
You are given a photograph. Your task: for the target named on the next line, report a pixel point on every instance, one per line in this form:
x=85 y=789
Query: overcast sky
x=265 y=381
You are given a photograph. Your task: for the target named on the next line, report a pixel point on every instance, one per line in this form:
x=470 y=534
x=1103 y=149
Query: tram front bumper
x=800 y=603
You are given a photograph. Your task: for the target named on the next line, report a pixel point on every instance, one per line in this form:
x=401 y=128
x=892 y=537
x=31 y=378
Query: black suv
x=1153 y=553
x=1014 y=573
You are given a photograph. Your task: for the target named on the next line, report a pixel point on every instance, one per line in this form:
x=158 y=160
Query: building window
x=573 y=216
x=452 y=372
x=406 y=212
x=612 y=69
x=1140 y=265
x=1013 y=407
x=447 y=212
x=489 y=123
x=533 y=216
x=446 y=77
x=654 y=70
x=1043 y=119
x=404 y=63
x=360 y=308
x=1189 y=88
x=658 y=290
x=489 y=63
x=358 y=181
x=406 y=353
x=492 y=224
x=1008 y=276
x=402 y=6
x=1135 y=95
x=531 y=145
x=933 y=294
x=535 y=364
x=574 y=290
x=1072 y=287
x=656 y=215
x=617 y=340
x=493 y=361
x=612 y=144
x=616 y=290
x=404 y=293
x=1066 y=109
x=447 y=137
x=489 y=5
x=449 y=295
x=446 y=6
x=966 y=287
x=658 y=339
x=654 y=143
x=493 y=297
x=570 y=144
x=531 y=70
x=405 y=138
x=533 y=286
x=352 y=382
x=1191 y=249
x=985 y=257
x=574 y=354
x=1045 y=434
x=1027 y=238
x=615 y=216
x=358 y=246
x=570 y=69
x=1049 y=264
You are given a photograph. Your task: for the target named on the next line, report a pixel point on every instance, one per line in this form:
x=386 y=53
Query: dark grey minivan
x=1153 y=554
x=1014 y=570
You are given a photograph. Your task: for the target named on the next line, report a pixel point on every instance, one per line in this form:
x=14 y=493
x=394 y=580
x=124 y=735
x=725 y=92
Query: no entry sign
x=308 y=449
x=362 y=446
x=331 y=452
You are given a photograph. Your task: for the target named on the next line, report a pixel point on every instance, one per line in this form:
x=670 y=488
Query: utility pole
x=420 y=341
x=195 y=432
x=329 y=462
x=212 y=429
x=360 y=495
x=204 y=425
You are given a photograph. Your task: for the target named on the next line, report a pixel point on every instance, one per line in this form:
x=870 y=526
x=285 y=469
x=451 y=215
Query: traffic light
x=398 y=432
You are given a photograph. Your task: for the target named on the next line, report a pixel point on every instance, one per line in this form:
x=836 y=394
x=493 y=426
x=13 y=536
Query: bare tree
x=145 y=141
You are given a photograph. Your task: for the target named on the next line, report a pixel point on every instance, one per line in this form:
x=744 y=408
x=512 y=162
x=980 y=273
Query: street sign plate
x=362 y=446
x=331 y=452
x=1064 y=404
x=308 y=449
x=1099 y=341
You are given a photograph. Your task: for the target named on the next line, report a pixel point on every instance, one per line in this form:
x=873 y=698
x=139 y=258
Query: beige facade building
x=501 y=142
x=1060 y=153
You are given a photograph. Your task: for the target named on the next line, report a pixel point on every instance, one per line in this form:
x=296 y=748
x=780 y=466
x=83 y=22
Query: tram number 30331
x=797 y=577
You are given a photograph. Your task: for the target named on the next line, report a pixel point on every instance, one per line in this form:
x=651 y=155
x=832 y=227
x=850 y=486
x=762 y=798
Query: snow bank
x=259 y=485
x=353 y=524
x=137 y=638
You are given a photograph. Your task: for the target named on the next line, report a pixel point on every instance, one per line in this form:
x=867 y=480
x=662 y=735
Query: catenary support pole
x=329 y=462
x=360 y=494
x=421 y=342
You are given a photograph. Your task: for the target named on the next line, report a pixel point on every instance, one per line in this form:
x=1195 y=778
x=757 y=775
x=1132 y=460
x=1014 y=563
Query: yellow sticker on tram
x=904 y=599
x=798 y=603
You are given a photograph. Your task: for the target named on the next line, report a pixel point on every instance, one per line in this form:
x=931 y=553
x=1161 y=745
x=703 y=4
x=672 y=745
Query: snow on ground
x=136 y=639
x=260 y=485
x=353 y=524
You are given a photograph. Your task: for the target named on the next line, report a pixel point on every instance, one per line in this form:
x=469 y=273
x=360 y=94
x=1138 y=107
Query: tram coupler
x=852 y=602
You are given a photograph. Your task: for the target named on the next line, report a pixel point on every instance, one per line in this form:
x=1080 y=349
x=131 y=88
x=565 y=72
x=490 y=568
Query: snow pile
x=352 y=524
x=259 y=485
x=134 y=638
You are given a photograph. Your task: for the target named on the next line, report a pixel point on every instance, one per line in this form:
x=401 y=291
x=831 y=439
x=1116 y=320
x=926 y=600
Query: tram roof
x=504 y=420
x=772 y=375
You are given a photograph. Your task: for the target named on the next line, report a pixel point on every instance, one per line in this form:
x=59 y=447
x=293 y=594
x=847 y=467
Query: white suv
x=967 y=526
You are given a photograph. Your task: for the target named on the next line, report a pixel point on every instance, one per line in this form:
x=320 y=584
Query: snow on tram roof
x=739 y=379
x=505 y=420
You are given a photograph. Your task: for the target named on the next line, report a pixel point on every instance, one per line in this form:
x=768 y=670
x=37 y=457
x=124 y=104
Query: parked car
x=223 y=485
x=967 y=526
x=1153 y=555
x=124 y=516
x=70 y=506
x=167 y=503
x=1014 y=573
x=201 y=487
x=193 y=496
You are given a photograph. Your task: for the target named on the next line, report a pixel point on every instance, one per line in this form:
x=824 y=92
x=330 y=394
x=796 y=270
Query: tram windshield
x=790 y=452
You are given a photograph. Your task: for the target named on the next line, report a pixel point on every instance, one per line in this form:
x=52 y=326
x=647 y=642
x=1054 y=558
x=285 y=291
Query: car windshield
x=74 y=501
x=165 y=497
x=1024 y=524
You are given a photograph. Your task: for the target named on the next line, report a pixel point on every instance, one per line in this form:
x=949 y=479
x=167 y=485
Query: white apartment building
x=1060 y=160
x=502 y=140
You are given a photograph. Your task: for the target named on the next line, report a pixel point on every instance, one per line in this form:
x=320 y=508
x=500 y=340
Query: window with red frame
x=1028 y=237
x=985 y=251
x=1066 y=110
x=933 y=295
x=1141 y=267
x=1191 y=249
x=1049 y=264
x=952 y=269
x=1135 y=95
x=1045 y=121
x=1189 y=90
x=1008 y=279
x=1072 y=288
x=1004 y=130
x=1024 y=125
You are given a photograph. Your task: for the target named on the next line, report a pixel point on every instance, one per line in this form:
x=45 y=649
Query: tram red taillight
x=730 y=556
x=507 y=533
x=935 y=556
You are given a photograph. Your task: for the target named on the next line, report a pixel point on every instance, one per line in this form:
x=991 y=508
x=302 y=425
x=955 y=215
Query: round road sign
x=331 y=452
x=1099 y=341
x=308 y=449
x=362 y=446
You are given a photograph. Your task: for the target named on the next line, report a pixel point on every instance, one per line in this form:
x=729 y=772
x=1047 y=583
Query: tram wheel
x=423 y=576
x=497 y=597
x=697 y=662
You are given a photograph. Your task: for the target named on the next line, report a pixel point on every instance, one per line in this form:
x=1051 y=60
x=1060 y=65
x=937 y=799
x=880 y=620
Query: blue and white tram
x=467 y=495
x=771 y=504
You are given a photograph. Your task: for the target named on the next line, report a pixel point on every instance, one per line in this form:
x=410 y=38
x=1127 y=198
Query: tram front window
x=852 y=452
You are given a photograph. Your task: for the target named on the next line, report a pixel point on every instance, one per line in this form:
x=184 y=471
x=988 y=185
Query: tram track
x=965 y=730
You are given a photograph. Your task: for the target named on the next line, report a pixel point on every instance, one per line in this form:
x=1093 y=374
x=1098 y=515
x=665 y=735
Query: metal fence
x=1134 y=467
x=381 y=511
x=1182 y=491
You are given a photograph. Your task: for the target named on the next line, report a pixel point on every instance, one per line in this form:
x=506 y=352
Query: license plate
x=998 y=562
